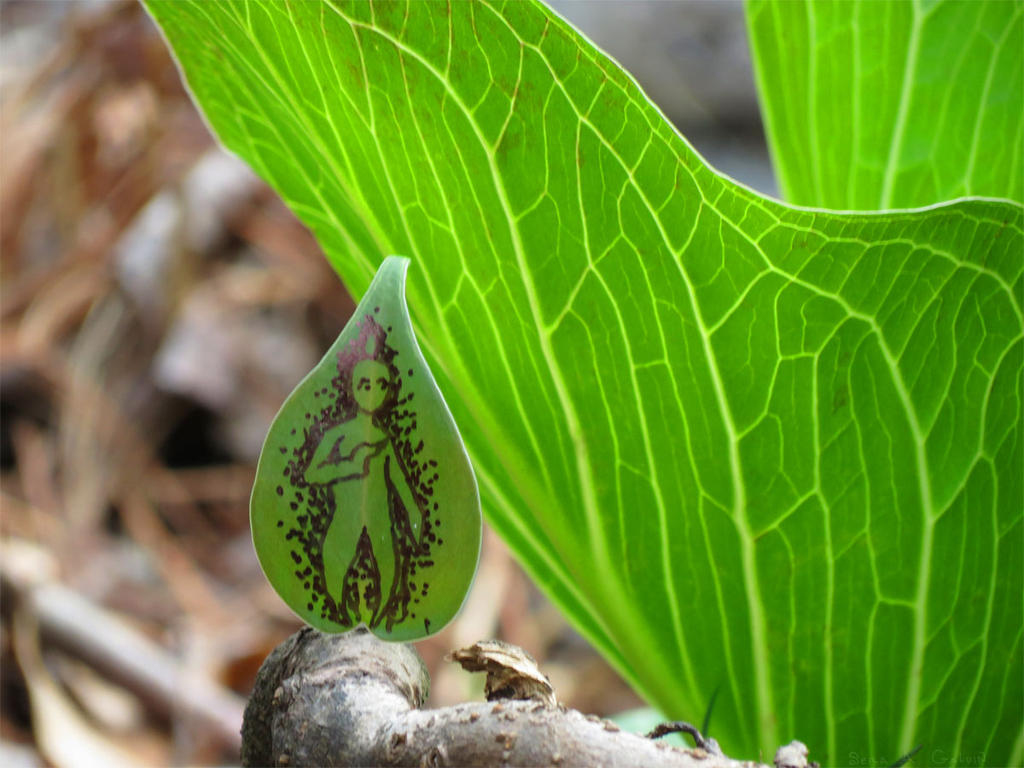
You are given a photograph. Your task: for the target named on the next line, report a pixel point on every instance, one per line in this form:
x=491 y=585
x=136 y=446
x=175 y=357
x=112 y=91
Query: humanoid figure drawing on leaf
x=366 y=503
x=361 y=469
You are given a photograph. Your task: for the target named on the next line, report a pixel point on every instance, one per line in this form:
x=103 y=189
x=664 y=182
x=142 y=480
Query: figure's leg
x=320 y=516
x=361 y=583
x=378 y=537
x=403 y=549
x=355 y=584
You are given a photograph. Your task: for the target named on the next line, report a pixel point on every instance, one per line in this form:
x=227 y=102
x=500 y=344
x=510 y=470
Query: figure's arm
x=327 y=461
x=333 y=461
x=408 y=499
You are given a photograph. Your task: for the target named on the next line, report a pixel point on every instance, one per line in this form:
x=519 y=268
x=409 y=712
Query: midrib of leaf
x=909 y=68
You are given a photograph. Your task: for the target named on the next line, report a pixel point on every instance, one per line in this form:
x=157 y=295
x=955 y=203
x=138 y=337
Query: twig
x=340 y=700
x=678 y=726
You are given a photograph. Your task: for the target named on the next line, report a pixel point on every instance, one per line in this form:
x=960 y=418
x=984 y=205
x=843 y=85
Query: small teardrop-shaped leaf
x=365 y=508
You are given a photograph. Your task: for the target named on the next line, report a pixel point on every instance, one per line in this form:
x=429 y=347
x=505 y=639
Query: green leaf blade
x=629 y=345
x=365 y=508
x=894 y=105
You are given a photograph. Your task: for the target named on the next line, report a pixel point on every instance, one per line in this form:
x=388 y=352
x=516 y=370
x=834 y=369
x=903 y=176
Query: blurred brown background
x=158 y=302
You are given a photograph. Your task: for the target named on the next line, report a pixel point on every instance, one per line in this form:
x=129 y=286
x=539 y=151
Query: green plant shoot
x=365 y=509
x=741 y=444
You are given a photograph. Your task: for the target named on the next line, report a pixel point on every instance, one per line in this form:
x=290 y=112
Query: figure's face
x=369 y=384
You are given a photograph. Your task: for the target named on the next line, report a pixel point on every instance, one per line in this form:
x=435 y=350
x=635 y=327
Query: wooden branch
x=351 y=699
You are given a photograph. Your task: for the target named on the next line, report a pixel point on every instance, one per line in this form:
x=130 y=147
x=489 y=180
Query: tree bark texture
x=353 y=700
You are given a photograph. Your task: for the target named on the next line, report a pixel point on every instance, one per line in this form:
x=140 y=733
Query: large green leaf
x=365 y=508
x=882 y=105
x=741 y=444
